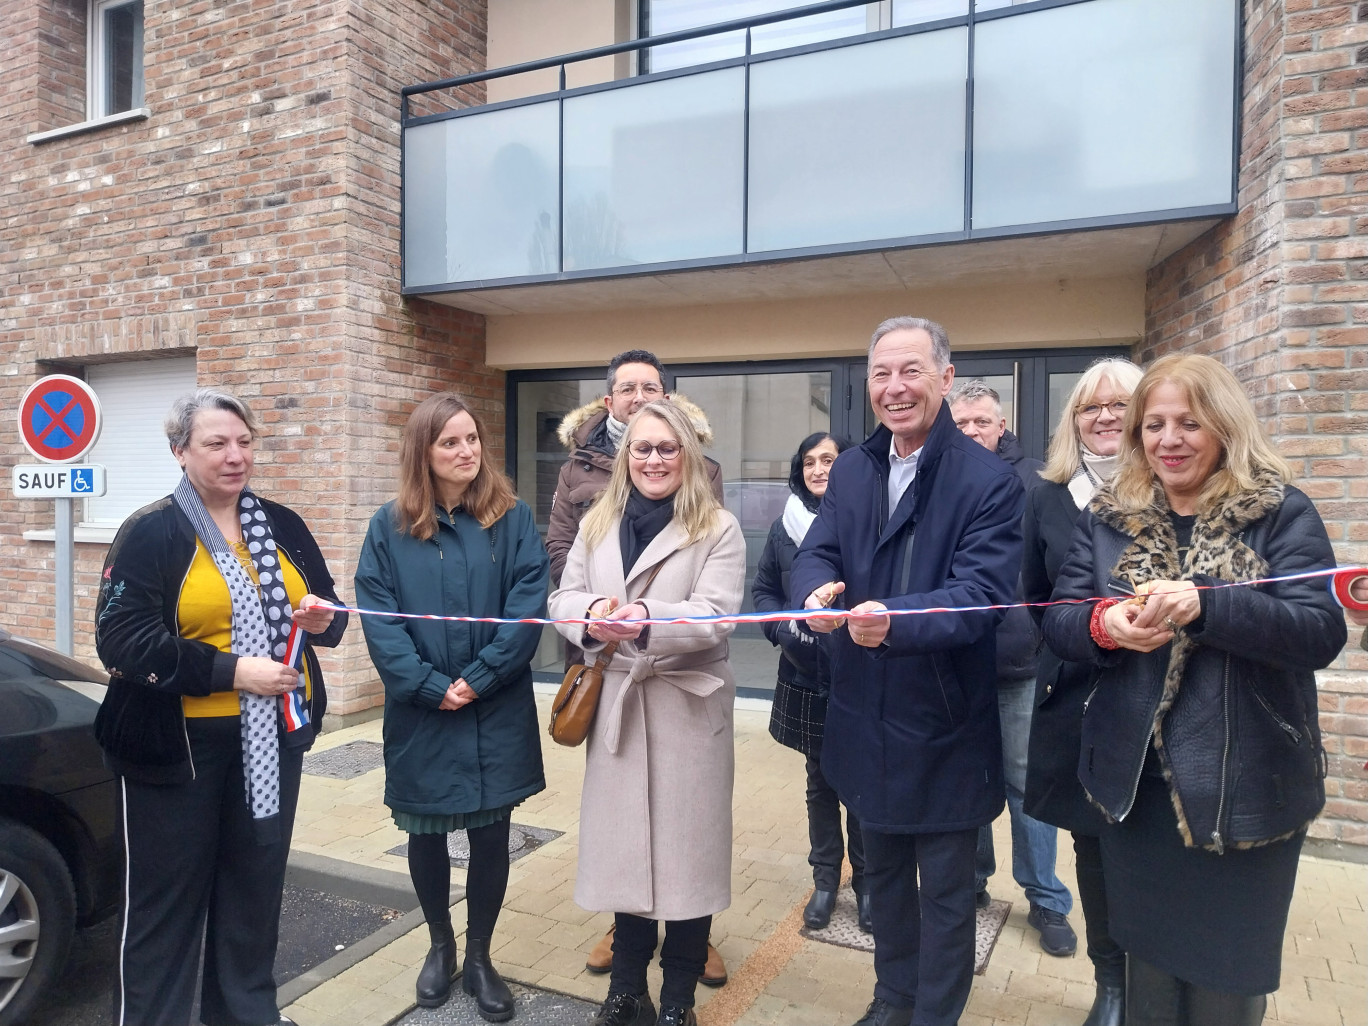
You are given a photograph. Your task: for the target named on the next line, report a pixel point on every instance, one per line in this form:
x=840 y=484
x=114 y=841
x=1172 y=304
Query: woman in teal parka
x=462 y=747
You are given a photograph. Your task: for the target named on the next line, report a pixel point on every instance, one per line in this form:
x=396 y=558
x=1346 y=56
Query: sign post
x=59 y=421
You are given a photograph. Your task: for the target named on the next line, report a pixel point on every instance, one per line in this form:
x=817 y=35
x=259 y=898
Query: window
x=115 y=73
x=134 y=398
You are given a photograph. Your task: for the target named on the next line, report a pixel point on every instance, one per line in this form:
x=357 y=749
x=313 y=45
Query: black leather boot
x=482 y=981
x=1109 y=1006
x=439 y=968
x=864 y=915
x=817 y=914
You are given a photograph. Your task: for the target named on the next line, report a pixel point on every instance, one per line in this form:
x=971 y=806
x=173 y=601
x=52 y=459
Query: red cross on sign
x=59 y=418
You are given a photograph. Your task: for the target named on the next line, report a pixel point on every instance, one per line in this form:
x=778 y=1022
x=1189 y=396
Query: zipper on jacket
x=1139 y=772
x=1292 y=732
x=185 y=730
x=1216 y=838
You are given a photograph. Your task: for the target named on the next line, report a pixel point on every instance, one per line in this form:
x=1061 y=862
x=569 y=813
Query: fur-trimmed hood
x=576 y=426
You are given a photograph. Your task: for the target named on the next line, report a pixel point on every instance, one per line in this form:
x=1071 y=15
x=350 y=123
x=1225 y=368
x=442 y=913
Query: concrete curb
x=382 y=887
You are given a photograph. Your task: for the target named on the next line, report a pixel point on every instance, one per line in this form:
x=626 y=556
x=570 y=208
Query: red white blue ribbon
x=293 y=704
x=1333 y=575
x=1342 y=585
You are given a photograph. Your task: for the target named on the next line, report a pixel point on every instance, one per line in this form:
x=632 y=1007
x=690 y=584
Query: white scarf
x=1093 y=472
x=616 y=429
x=797 y=519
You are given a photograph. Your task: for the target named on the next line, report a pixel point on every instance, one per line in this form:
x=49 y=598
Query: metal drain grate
x=346 y=762
x=522 y=840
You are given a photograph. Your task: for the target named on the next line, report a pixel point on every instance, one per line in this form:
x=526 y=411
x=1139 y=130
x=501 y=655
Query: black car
x=60 y=857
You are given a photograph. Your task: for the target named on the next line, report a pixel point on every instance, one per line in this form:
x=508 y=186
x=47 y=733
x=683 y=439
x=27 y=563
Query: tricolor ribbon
x=293 y=704
x=1342 y=586
x=1338 y=580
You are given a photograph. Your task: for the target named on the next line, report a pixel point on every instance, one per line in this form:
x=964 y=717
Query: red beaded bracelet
x=1098 y=629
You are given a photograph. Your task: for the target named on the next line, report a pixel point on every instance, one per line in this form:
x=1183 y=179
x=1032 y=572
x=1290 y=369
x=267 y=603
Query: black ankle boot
x=1109 y=1005
x=817 y=914
x=482 y=981
x=439 y=968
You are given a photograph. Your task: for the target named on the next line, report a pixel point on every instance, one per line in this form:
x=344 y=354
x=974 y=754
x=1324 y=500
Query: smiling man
x=918 y=517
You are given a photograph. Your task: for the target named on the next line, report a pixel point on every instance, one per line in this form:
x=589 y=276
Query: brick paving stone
x=543 y=937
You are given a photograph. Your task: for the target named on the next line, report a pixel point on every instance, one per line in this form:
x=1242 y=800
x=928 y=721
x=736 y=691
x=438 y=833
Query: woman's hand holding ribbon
x=311 y=616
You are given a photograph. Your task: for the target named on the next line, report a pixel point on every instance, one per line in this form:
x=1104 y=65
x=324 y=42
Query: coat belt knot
x=643 y=668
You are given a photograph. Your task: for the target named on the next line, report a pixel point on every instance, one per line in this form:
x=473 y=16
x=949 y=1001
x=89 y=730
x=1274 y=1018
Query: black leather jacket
x=1229 y=706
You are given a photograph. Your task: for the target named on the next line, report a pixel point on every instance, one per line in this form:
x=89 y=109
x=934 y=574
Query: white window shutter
x=134 y=399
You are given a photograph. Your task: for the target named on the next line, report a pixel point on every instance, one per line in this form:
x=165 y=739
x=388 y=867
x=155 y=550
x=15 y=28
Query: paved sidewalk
x=777 y=976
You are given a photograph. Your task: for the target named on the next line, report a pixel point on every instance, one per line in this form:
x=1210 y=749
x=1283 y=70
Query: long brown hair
x=487 y=498
x=1220 y=405
x=695 y=507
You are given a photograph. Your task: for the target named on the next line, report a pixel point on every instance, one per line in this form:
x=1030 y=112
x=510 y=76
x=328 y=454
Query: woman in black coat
x=1083 y=456
x=1200 y=740
x=800 y=694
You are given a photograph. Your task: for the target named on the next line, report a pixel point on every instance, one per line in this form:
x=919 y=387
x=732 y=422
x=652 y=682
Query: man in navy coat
x=918 y=517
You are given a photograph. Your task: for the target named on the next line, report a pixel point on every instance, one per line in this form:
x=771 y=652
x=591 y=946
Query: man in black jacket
x=919 y=517
x=977 y=410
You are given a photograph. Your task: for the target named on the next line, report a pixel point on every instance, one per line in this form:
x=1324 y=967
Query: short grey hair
x=940 y=341
x=181 y=418
x=973 y=390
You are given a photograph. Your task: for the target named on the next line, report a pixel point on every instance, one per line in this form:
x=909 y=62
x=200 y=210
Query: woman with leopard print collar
x=1200 y=740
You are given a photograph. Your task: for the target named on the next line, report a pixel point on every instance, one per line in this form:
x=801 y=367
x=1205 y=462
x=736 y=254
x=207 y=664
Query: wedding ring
x=1171 y=624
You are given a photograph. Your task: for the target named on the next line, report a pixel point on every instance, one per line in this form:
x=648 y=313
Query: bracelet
x=1098 y=629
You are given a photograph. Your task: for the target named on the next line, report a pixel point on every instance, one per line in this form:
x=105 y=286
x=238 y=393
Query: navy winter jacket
x=912 y=742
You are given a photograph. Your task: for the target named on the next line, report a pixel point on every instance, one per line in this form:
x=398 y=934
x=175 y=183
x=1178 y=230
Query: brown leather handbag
x=577 y=700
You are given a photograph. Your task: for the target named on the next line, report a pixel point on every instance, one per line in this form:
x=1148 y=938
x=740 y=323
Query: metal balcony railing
x=1038 y=117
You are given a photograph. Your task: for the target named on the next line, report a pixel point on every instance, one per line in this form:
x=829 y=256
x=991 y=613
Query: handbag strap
x=606 y=656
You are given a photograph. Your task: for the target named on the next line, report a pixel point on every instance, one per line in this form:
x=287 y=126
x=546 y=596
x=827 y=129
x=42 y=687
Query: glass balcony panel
x=480 y=196
x=653 y=172
x=915 y=12
x=1101 y=109
x=859 y=143
x=663 y=16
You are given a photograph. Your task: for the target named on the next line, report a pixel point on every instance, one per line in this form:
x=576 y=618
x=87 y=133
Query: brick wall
x=252 y=220
x=1280 y=293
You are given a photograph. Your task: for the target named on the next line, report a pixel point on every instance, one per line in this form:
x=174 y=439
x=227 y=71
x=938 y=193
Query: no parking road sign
x=59 y=418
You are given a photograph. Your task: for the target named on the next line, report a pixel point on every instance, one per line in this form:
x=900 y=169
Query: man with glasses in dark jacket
x=918 y=517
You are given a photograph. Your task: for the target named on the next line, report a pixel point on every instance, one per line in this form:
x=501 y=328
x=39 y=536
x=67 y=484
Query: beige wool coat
x=656 y=811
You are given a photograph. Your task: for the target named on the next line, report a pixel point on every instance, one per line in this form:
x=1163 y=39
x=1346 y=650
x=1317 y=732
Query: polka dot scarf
x=261 y=627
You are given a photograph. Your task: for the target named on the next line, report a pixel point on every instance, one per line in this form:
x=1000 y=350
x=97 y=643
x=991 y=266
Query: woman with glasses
x=1083 y=456
x=462 y=746
x=655 y=814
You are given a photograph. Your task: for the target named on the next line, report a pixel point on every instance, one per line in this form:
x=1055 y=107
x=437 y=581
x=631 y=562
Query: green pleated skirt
x=412 y=823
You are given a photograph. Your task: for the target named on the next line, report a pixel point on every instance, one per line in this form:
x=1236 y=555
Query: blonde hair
x=1219 y=404
x=488 y=497
x=1063 y=459
x=695 y=506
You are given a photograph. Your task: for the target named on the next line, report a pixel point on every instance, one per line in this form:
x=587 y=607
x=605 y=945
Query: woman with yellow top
x=208 y=714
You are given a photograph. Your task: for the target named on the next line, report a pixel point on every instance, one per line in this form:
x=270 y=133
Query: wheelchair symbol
x=82 y=481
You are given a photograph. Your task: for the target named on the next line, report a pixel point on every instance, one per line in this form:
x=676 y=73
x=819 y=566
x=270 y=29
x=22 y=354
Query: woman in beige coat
x=655 y=816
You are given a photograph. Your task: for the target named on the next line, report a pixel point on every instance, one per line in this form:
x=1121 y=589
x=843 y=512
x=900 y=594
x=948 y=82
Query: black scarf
x=642 y=520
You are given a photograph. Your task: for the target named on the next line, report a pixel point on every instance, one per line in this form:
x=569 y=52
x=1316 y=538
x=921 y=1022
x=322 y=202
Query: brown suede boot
x=600 y=960
x=715 y=972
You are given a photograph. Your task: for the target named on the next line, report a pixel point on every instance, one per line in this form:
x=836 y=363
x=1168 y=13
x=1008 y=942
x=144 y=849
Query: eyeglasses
x=1094 y=410
x=665 y=450
x=630 y=388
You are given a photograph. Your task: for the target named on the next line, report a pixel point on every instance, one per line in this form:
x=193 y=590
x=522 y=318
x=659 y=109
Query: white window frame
x=97 y=94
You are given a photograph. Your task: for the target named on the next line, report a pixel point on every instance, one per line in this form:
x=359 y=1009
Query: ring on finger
x=1171 y=624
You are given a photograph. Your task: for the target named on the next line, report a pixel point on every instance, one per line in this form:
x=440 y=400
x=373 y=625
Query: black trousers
x=826 y=847
x=923 y=933
x=195 y=871
x=682 y=956
x=1108 y=959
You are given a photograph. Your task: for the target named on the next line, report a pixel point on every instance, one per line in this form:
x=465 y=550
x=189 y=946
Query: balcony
x=1108 y=126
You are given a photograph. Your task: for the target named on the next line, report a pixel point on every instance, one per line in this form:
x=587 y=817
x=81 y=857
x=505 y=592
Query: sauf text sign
x=58 y=482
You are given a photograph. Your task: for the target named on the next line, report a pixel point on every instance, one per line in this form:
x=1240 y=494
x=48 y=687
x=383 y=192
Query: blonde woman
x=1084 y=453
x=655 y=815
x=1200 y=742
